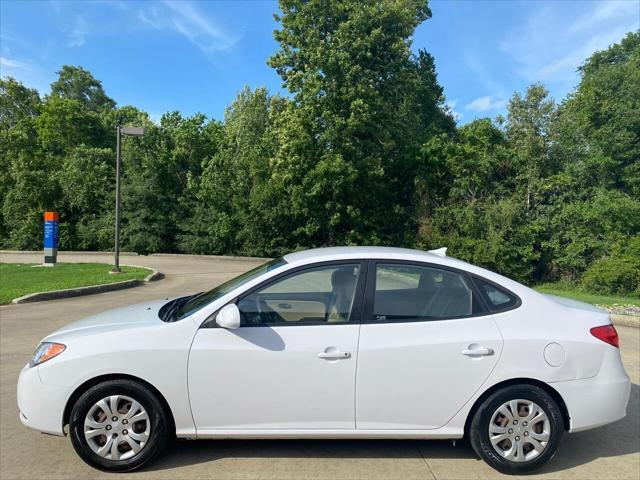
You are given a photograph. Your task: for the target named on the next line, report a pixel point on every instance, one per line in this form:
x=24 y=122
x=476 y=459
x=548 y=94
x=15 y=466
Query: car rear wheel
x=118 y=426
x=517 y=429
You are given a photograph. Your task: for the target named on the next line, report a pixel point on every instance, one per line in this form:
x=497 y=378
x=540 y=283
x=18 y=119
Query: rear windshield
x=197 y=302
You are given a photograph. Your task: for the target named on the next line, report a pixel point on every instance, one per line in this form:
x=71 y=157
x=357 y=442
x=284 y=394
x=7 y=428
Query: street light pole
x=120 y=132
x=116 y=265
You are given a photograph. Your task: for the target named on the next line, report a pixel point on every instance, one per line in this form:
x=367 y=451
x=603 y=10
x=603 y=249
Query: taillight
x=606 y=333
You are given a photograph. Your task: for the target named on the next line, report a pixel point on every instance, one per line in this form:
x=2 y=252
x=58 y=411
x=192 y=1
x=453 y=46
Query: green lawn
x=594 y=298
x=17 y=279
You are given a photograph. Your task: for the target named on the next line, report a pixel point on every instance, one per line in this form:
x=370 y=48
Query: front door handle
x=482 y=351
x=334 y=355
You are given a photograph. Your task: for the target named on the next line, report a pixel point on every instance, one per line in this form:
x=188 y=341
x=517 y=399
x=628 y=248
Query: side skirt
x=436 y=434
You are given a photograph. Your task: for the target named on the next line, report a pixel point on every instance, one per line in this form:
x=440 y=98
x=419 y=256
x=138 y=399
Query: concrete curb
x=625 y=320
x=152 y=277
x=90 y=289
x=221 y=257
x=76 y=292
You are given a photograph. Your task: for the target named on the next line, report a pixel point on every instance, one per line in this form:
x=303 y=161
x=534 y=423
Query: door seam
x=355 y=379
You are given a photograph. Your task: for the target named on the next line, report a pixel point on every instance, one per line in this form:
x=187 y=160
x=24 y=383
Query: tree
x=363 y=104
x=76 y=83
x=157 y=168
x=470 y=204
x=18 y=109
x=600 y=121
x=225 y=218
x=64 y=124
x=595 y=199
x=87 y=182
x=17 y=102
x=529 y=124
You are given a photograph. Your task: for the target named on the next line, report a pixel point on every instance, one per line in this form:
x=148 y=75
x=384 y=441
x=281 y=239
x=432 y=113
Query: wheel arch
x=115 y=376
x=519 y=381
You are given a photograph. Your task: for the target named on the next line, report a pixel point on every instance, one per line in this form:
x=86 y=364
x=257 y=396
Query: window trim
x=490 y=307
x=356 y=309
x=367 y=314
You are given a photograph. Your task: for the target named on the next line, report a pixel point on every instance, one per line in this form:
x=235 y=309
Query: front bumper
x=598 y=400
x=41 y=406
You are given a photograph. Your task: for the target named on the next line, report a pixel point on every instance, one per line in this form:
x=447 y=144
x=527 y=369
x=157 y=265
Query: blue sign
x=51 y=236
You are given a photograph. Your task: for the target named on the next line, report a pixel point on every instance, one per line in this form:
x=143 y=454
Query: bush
x=614 y=276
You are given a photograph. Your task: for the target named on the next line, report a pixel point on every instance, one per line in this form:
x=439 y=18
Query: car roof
x=436 y=257
x=344 y=253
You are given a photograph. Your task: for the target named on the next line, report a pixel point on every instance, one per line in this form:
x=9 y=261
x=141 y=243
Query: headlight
x=46 y=351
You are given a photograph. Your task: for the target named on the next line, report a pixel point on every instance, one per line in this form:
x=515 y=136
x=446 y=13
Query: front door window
x=314 y=296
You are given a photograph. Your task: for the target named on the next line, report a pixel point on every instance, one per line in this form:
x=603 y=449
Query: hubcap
x=519 y=430
x=117 y=427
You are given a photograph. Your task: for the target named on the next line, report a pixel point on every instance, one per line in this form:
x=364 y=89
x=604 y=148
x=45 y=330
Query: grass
x=594 y=298
x=17 y=279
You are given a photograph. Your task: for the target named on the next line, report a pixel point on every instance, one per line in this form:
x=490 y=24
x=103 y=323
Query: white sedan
x=353 y=342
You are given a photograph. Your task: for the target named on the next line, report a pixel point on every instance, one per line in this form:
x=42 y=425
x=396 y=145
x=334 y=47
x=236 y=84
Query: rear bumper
x=598 y=400
x=40 y=406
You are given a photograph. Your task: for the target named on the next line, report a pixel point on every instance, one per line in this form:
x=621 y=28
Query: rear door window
x=412 y=293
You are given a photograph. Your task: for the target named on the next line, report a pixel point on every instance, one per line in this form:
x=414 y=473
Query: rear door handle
x=334 y=355
x=472 y=352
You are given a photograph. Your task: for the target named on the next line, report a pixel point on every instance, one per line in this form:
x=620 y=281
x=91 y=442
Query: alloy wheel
x=117 y=427
x=519 y=430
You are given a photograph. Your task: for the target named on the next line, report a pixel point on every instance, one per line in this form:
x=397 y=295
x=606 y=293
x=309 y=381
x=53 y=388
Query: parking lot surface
x=610 y=452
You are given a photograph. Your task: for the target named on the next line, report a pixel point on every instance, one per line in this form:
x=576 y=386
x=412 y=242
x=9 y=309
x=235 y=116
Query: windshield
x=197 y=302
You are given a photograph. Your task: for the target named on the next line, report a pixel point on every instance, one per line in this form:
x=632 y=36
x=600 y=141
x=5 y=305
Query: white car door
x=291 y=364
x=426 y=345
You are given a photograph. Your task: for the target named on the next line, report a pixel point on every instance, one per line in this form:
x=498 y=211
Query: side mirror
x=229 y=316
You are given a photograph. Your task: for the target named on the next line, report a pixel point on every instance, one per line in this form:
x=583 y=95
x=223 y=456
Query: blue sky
x=195 y=56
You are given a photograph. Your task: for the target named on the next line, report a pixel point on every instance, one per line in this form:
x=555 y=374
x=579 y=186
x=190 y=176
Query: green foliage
x=529 y=121
x=362 y=151
x=157 y=168
x=601 y=137
x=363 y=106
x=76 y=83
x=63 y=124
x=496 y=234
x=16 y=102
x=619 y=275
x=87 y=179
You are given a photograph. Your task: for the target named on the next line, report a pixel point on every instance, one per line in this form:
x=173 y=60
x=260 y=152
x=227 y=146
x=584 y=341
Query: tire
x=516 y=440
x=146 y=433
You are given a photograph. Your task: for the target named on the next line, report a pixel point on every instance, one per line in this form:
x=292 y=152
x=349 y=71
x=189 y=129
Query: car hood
x=132 y=316
x=568 y=302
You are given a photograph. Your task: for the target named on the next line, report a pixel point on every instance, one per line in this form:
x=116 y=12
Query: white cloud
x=485 y=104
x=9 y=63
x=605 y=11
x=78 y=36
x=189 y=21
x=568 y=64
x=559 y=36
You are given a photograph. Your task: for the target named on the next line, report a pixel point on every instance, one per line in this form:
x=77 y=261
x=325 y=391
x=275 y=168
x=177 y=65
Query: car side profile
x=343 y=342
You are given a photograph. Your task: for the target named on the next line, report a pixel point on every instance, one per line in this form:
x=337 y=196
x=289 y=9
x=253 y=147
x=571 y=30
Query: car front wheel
x=517 y=429
x=118 y=426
